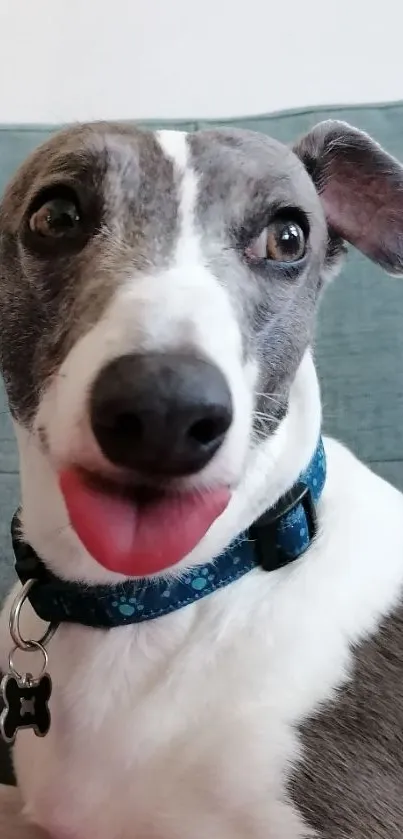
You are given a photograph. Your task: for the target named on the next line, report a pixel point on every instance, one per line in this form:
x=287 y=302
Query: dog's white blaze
x=175 y=146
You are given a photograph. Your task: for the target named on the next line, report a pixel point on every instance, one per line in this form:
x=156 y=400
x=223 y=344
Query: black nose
x=164 y=415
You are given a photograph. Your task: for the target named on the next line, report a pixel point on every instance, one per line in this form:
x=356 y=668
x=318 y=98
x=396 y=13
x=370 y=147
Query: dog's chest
x=186 y=740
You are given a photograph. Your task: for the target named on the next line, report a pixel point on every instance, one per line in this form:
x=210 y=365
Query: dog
x=158 y=301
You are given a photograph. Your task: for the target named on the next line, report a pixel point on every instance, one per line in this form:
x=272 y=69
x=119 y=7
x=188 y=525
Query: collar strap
x=277 y=538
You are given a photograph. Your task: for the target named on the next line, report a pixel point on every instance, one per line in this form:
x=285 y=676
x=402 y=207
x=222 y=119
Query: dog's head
x=157 y=297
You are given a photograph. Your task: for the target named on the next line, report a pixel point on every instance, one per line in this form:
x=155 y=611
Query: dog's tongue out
x=138 y=539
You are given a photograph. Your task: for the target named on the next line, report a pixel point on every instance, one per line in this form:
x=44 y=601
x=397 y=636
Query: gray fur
x=130 y=194
x=244 y=180
x=349 y=784
x=361 y=189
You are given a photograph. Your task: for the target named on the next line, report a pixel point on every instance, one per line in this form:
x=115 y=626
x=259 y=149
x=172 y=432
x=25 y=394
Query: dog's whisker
x=262 y=417
x=272 y=399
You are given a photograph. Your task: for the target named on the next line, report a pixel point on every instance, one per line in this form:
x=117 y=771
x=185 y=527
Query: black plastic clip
x=264 y=532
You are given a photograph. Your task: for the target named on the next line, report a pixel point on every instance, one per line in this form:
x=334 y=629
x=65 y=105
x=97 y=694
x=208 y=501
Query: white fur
x=185 y=726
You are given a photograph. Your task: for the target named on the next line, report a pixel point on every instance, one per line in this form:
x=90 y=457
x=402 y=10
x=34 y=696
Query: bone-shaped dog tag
x=25 y=705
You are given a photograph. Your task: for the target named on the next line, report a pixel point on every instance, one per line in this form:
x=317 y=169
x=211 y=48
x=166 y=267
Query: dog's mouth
x=138 y=532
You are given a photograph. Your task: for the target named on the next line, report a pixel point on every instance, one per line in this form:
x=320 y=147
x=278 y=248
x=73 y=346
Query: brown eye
x=285 y=241
x=56 y=218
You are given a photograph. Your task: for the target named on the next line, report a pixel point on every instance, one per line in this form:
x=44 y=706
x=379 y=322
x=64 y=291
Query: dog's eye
x=56 y=218
x=281 y=241
x=285 y=241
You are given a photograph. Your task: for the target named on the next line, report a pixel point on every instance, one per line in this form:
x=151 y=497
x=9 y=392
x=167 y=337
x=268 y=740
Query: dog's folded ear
x=361 y=188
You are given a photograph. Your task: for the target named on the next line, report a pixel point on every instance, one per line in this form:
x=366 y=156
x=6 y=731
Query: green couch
x=359 y=346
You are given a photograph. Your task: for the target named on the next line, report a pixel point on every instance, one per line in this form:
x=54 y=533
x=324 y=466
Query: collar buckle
x=265 y=530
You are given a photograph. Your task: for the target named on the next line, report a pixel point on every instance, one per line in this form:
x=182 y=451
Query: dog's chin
x=138 y=530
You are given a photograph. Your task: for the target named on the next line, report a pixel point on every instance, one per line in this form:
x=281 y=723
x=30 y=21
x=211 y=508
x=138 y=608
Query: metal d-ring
x=35 y=646
x=20 y=642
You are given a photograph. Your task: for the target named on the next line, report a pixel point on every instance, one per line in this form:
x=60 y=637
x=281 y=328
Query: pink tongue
x=137 y=540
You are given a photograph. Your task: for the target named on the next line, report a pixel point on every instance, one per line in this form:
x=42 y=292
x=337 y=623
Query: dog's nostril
x=207 y=430
x=129 y=425
x=119 y=422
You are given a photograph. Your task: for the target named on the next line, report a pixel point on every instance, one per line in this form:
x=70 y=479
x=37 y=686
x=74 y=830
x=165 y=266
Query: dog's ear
x=361 y=188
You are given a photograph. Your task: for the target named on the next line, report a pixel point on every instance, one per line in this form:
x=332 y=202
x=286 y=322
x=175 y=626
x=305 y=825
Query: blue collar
x=280 y=536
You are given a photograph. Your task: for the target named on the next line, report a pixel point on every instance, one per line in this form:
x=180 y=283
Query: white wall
x=83 y=59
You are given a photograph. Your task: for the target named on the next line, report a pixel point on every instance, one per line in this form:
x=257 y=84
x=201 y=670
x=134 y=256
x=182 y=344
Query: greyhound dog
x=223 y=585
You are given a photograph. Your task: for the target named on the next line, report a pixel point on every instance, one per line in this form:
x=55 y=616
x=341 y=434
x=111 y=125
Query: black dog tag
x=26 y=705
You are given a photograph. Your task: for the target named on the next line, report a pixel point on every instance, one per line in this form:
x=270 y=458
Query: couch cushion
x=359 y=347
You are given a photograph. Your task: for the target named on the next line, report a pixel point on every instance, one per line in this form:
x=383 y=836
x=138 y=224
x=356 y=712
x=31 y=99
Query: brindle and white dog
x=158 y=295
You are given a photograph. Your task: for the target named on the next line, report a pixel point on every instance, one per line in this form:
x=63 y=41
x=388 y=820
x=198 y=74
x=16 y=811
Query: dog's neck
x=273 y=468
